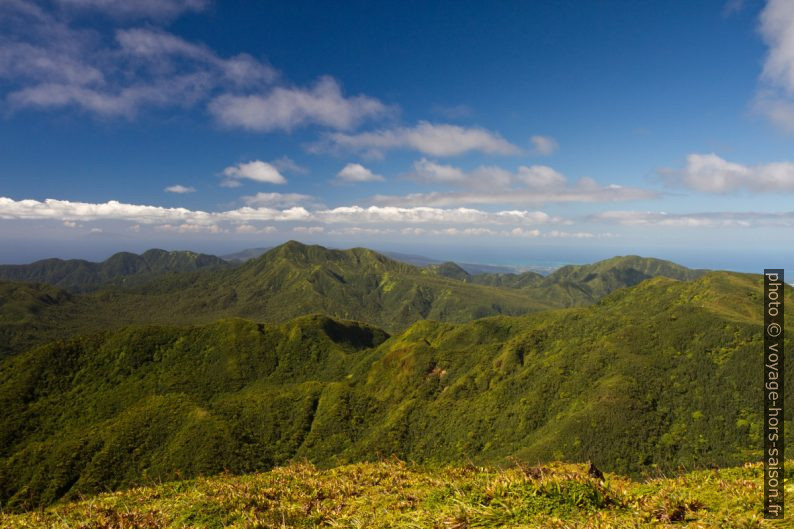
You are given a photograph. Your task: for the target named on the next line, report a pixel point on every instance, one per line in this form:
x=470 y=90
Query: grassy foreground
x=396 y=494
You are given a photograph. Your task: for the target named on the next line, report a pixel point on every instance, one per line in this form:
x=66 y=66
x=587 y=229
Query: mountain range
x=337 y=356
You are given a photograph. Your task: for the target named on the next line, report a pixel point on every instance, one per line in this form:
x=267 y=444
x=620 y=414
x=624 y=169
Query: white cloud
x=159 y=50
x=429 y=215
x=541 y=176
x=70 y=224
x=711 y=174
x=719 y=219
x=543 y=145
x=612 y=193
x=536 y=184
x=278 y=200
x=64 y=210
x=47 y=62
x=249 y=228
x=431 y=172
x=137 y=8
x=143 y=214
x=354 y=172
x=776 y=94
x=189 y=227
x=257 y=170
x=427 y=138
x=287 y=108
x=180 y=189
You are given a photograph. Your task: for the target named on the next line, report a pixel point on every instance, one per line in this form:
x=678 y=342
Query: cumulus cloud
x=257 y=170
x=536 y=184
x=355 y=172
x=517 y=232
x=182 y=220
x=287 y=108
x=48 y=61
x=711 y=174
x=432 y=172
x=249 y=228
x=719 y=219
x=541 y=176
x=160 y=49
x=543 y=145
x=65 y=210
x=430 y=215
x=190 y=227
x=278 y=200
x=180 y=189
x=775 y=97
x=428 y=138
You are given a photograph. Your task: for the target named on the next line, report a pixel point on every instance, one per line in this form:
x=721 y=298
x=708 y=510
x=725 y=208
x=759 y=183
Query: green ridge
x=652 y=377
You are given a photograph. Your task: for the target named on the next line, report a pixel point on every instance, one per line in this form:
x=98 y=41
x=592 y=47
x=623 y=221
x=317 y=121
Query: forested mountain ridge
x=359 y=284
x=120 y=269
x=651 y=377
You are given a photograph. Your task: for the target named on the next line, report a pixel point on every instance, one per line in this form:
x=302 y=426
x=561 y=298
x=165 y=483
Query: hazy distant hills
x=416 y=260
x=296 y=279
x=121 y=269
x=660 y=374
x=575 y=285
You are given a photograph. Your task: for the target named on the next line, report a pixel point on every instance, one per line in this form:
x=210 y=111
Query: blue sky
x=520 y=133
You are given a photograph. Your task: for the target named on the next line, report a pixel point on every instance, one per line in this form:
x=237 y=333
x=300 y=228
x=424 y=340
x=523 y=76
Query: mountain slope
x=579 y=285
x=654 y=376
x=121 y=269
x=295 y=279
x=31 y=314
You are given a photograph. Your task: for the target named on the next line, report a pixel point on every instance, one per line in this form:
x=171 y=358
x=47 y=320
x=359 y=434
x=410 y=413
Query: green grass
x=393 y=494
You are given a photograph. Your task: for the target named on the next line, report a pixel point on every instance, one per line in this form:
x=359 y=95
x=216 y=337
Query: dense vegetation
x=294 y=279
x=391 y=494
x=31 y=314
x=651 y=377
x=578 y=285
x=121 y=269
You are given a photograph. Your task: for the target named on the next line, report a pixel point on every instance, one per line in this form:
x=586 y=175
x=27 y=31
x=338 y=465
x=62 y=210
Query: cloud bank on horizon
x=370 y=161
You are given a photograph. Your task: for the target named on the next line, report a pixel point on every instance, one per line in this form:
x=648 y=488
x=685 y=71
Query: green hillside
x=31 y=314
x=523 y=280
x=121 y=269
x=392 y=494
x=652 y=377
x=294 y=279
x=579 y=285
